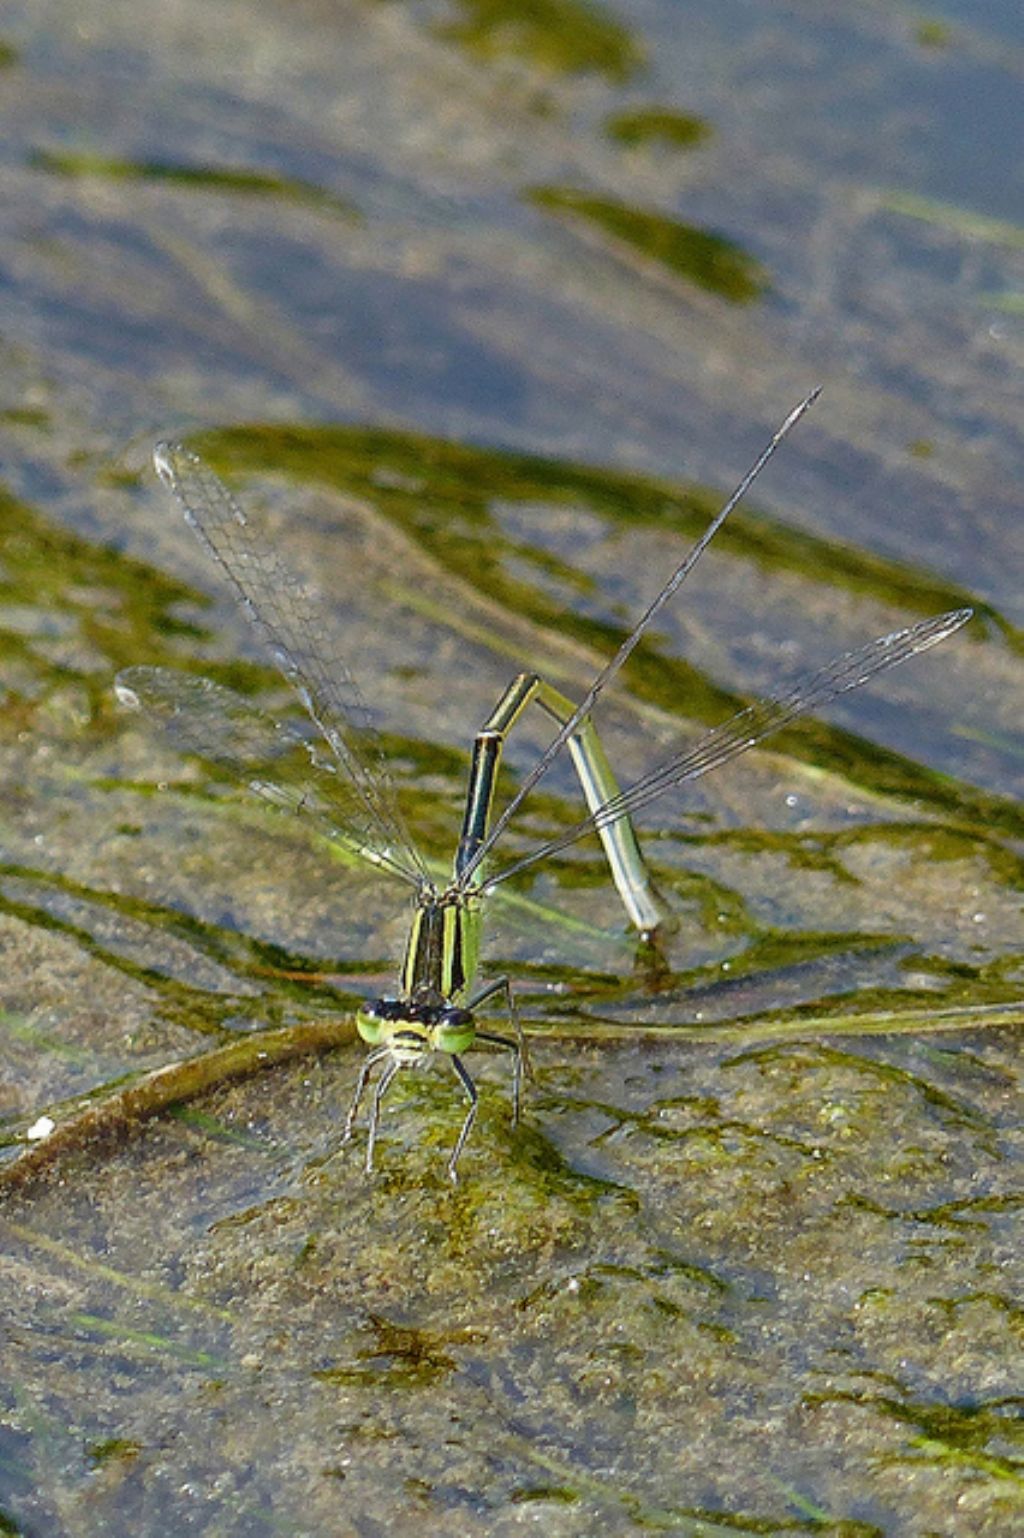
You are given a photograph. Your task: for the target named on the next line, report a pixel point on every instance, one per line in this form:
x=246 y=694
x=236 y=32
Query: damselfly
x=339 y=778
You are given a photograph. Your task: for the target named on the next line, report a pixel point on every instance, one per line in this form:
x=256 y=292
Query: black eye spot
x=384 y=1009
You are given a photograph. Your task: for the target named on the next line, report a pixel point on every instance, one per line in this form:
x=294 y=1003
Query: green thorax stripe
x=444 y=942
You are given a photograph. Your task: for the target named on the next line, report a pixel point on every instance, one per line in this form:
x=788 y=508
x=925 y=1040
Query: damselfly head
x=391 y=1025
x=416 y=1026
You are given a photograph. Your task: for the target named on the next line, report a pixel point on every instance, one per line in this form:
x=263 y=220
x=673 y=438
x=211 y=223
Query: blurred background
x=486 y=305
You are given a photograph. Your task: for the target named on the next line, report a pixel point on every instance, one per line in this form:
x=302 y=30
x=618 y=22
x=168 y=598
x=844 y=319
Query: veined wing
x=753 y=724
x=290 y=621
x=269 y=757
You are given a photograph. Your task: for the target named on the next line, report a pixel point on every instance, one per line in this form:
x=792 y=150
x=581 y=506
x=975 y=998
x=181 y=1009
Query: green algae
x=561 y=37
x=1009 y=304
x=114 y=608
x=107 y=1276
x=934 y=34
x=663 y=126
x=955 y=219
x=113 y=1449
x=130 y=1340
x=233 y=179
x=953 y=1436
x=702 y=257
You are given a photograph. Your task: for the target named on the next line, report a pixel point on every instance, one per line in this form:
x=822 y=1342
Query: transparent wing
x=271 y=758
x=752 y=725
x=292 y=625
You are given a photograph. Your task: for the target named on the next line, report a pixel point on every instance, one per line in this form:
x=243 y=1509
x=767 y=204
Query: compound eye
x=454 y=1030
x=373 y=1016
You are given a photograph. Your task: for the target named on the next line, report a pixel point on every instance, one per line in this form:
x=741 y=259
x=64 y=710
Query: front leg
x=470 y=1088
x=360 y=1089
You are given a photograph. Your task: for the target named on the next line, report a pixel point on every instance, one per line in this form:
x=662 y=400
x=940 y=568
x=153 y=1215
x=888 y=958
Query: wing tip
x=948 y=624
x=125 y=694
x=169 y=456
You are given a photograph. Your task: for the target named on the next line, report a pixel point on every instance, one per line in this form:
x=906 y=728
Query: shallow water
x=486 y=308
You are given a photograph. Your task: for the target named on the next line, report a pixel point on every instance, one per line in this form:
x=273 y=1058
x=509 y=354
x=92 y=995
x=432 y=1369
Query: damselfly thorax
x=434 y=1012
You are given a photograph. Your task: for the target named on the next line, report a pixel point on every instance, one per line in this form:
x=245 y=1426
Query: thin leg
x=369 y=1064
x=517 y=1067
x=518 y=1046
x=470 y=1088
x=596 y=778
x=378 y=1096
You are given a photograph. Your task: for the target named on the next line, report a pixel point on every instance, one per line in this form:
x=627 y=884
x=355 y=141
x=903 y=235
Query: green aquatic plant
x=663 y=126
x=683 y=250
x=262 y=184
x=563 y=36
